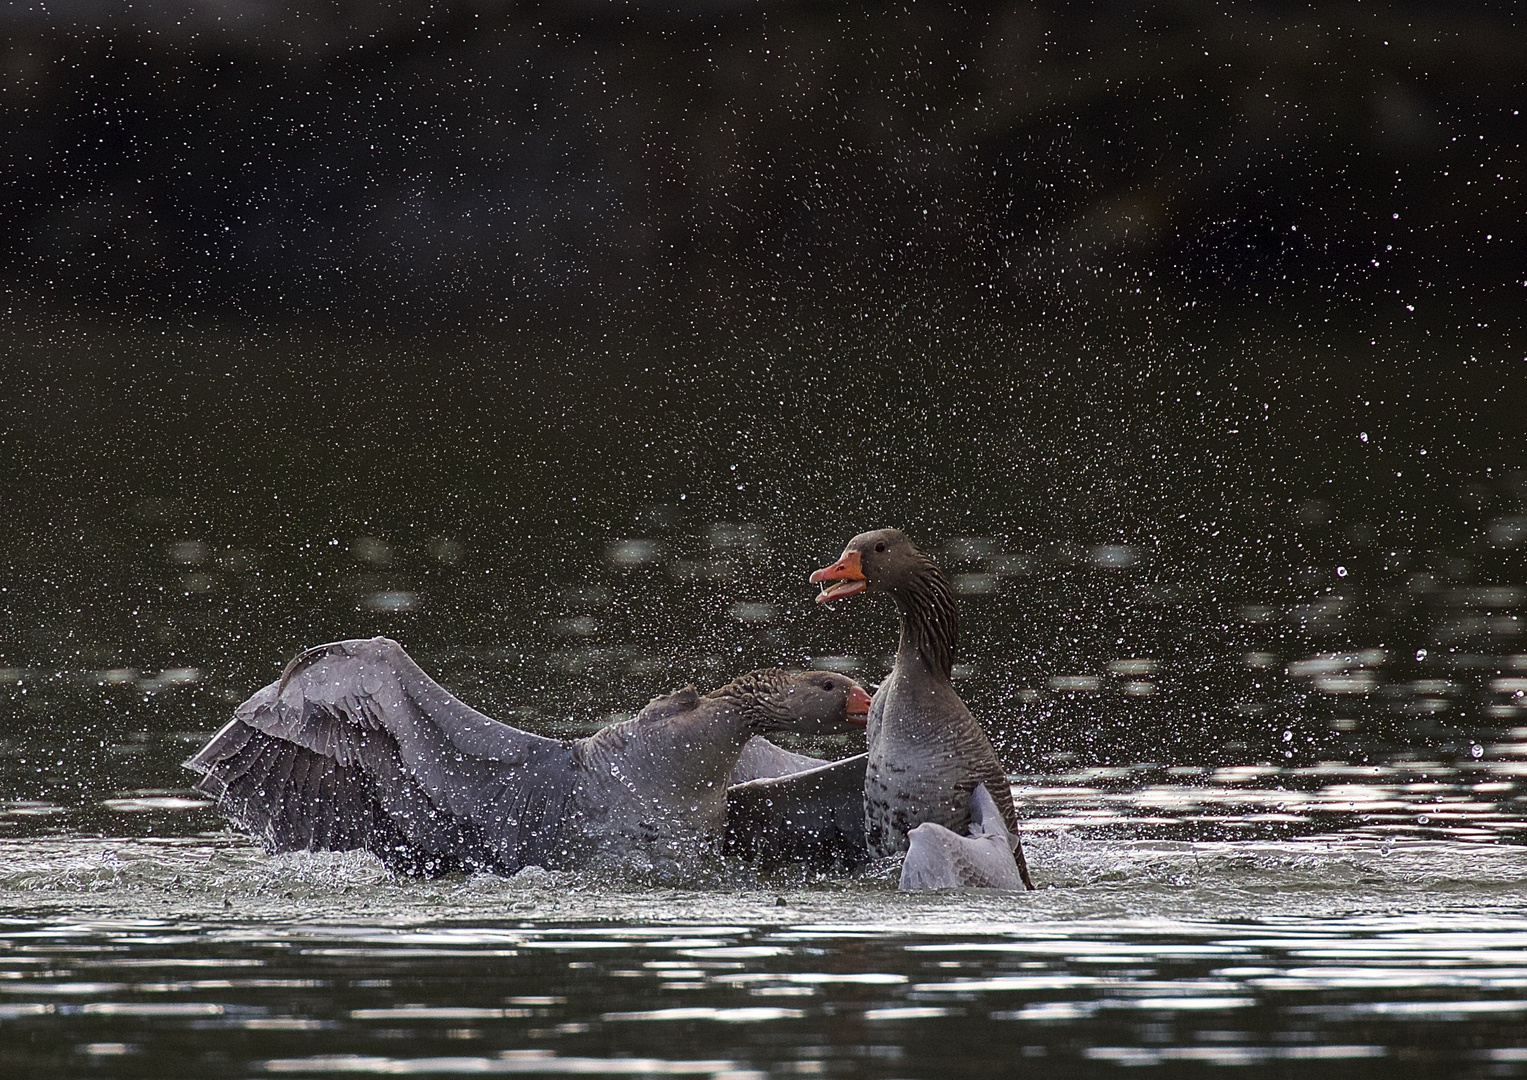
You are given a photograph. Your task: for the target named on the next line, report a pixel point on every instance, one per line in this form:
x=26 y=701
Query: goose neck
x=752 y=701
x=929 y=624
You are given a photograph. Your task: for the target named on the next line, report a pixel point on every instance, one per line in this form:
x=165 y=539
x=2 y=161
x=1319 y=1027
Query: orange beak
x=845 y=577
x=858 y=706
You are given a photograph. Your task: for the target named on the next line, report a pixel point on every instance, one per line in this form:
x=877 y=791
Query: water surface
x=1250 y=644
x=118 y=955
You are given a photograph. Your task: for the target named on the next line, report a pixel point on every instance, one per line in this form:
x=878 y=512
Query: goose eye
x=827 y=685
x=880 y=546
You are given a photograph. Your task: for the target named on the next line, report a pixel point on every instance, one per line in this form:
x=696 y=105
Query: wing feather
x=813 y=819
x=761 y=760
x=356 y=747
x=938 y=858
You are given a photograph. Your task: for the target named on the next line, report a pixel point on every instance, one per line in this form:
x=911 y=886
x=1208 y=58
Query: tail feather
x=986 y=817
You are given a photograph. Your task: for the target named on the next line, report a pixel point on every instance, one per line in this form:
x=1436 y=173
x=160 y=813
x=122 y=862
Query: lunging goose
x=927 y=754
x=356 y=747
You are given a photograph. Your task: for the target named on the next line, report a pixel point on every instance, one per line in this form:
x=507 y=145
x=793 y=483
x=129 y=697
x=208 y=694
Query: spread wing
x=761 y=759
x=813 y=819
x=356 y=747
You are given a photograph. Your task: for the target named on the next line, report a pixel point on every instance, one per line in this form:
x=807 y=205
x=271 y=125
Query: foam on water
x=225 y=875
x=1392 y=958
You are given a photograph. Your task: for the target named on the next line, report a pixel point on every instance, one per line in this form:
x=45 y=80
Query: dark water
x=1242 y=610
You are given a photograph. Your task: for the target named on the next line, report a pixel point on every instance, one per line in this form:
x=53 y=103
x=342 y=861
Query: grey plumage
x=927 y=753
x=356 y=747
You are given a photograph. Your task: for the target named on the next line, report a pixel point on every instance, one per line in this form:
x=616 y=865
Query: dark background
x=453 y=164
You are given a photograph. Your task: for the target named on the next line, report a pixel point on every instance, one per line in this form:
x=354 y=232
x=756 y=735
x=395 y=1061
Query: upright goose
x=356 y=747
x=927 y=754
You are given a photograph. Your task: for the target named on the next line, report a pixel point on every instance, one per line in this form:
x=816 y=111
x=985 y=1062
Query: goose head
x=882 y=560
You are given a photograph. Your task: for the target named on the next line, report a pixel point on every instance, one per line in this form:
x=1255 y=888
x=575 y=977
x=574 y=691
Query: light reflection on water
x=1475 y=801
x=1405 y=994
x=1275 y=733
x=1343 y=896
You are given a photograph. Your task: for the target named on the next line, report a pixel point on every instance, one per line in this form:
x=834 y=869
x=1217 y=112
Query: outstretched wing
x=356 y=747
x=762 y=760
x=813 y=819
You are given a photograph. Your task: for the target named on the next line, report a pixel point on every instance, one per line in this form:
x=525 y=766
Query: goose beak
x=842 y=578
x=858 y=706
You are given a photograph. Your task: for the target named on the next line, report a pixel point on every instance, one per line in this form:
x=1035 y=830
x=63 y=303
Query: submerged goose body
x=356 y=747
x=799 y=812
x=927 y=753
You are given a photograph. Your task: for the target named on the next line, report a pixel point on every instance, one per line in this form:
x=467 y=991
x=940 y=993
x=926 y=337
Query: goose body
x=356 y=747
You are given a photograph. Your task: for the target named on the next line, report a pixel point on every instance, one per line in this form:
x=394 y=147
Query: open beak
x=858 y=706
x=842 y=578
